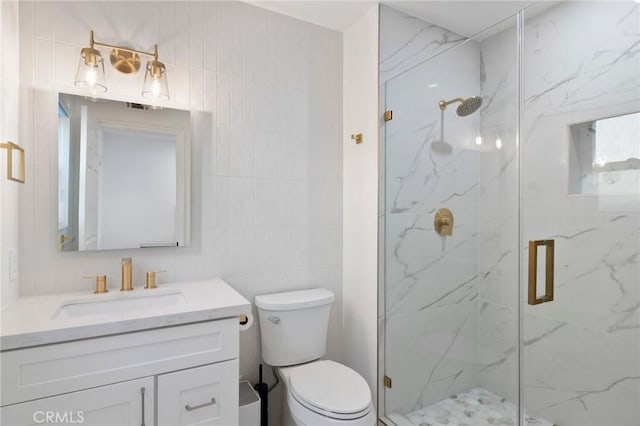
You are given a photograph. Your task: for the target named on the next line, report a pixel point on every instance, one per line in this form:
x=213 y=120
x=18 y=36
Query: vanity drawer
x=205 y=395
x=66 y=367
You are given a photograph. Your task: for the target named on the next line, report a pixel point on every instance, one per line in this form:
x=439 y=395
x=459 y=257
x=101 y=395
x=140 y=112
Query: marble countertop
x=36 y=320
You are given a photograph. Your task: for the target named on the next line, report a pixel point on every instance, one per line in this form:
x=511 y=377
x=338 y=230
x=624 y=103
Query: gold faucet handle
x=151 y=279
x=101 y=283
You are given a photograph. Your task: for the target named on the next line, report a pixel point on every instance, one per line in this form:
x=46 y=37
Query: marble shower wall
x=581 y=352
x=430 y=281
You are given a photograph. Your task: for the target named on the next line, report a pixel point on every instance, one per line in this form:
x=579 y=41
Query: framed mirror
x=123 y=175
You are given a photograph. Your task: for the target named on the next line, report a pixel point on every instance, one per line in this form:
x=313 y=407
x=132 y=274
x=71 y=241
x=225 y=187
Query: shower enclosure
x=523 y=307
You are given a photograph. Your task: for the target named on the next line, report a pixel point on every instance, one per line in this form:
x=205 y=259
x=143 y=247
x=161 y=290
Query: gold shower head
x=467 y=106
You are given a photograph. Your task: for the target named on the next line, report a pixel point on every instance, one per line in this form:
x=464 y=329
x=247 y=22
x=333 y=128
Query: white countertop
x=32 y=321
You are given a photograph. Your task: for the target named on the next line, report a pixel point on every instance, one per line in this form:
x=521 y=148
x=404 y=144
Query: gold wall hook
x=64 y=239
x=10 y=146
x=357 y=137
x=443 y=222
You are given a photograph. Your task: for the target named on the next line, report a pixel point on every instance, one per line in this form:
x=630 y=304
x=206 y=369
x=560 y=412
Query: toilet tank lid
x=293 y=300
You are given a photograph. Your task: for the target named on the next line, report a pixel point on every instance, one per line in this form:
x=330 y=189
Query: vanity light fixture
x=90 y=72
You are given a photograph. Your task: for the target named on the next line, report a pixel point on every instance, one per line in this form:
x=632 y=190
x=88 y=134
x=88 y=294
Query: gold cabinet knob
x=101 y=283
x=151 y=279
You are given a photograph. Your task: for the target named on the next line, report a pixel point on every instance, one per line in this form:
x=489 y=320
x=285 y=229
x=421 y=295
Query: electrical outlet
x=13 y=265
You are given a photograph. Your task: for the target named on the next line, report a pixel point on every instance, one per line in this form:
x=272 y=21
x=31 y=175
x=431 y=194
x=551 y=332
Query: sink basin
x=120 y=303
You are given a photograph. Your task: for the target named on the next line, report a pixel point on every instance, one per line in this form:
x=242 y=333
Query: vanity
x=167 y=356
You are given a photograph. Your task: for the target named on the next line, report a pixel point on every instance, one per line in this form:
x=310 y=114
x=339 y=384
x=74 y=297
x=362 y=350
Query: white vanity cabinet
x=105 y=378
x=204 y=396
x=125 y=404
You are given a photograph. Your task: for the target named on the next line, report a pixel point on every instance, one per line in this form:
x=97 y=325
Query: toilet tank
x=293 y=325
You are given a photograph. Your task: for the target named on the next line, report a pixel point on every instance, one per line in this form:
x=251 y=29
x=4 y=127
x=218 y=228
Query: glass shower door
x=451 y=297
x=580 y=213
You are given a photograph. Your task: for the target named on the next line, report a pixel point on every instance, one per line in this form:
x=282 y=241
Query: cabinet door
x=204 y=396
x=119 y=404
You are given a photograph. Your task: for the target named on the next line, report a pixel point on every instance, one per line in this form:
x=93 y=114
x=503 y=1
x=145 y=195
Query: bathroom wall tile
x=430 y=353
x=136 y=17
x=406 y=41
x=65 y=64
x=209 y=205
x=210 y=93
x=596 y=282
x=209 y=146
x=64 y=28
x=26 y=17
x=44 y=54
x=167 y=29
x=573 y=374
x=222 y=98
x=210 y=28
x=181 y=35
x=235 y=94
x=255 y=222
x=223 y=151
x=242 y=151
x=196 y=35
x=196 y=89
x=181 y=86
x=43 y=24
x=431 y=282
x=498 y=331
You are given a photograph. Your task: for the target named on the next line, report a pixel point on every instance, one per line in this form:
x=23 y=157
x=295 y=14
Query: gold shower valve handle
x=443 y=222
x=151 y=279
x=101 y=283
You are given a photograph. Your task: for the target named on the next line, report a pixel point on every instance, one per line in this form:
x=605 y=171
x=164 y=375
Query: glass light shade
x=155 y=82
x=90 y=72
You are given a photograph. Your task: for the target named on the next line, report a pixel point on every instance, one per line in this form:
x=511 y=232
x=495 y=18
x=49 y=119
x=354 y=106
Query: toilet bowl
x=325 y=393
x=293 y=329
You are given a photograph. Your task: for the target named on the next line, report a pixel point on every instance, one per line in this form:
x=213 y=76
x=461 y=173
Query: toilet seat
x=330 y=389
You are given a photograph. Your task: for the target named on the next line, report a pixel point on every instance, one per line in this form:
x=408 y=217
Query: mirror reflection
x=123 y=175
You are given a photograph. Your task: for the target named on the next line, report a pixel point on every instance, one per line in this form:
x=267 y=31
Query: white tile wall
x=9 y=131
x=267 y=197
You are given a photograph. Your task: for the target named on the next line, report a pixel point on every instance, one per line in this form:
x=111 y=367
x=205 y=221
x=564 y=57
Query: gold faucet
x=151 y=279
x=101 y=283
x=127 y=272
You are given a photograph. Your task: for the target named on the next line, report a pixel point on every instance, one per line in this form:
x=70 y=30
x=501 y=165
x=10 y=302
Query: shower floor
x=475 y=407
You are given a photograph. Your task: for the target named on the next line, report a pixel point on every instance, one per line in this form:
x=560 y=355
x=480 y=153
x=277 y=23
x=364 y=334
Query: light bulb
x=155 y=88
x=498 y=143
x=91 y=76
x=478 y=140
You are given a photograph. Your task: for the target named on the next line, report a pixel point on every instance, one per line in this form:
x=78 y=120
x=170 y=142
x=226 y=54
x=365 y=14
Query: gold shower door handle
x=533 y=298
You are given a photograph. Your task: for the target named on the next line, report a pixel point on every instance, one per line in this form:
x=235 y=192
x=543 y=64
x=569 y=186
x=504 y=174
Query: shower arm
x=443 y=104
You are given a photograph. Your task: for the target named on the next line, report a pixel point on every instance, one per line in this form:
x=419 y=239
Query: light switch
x=13 y=265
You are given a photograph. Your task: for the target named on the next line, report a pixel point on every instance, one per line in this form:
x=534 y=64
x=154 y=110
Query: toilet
x=293 y=328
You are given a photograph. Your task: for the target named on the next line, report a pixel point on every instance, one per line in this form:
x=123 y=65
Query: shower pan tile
x=475 y=407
